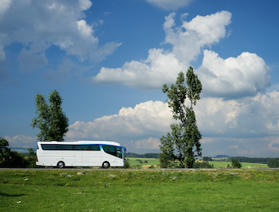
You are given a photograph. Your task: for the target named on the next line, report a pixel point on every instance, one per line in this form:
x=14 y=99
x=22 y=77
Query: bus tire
x=106 y=165
x=60 y=164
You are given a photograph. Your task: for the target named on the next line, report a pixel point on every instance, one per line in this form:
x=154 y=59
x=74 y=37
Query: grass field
x=144 y=162
x=154 y=163
x=139 y=190
x=223 y=164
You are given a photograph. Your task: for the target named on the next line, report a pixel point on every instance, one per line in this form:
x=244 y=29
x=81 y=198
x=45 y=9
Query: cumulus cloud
x=188 y=39
x=4 y=6
x=162 y=66
x=169 y=4
x=37 y=25
x=249 y=147
x=274 y=145
x=157 y=68
x=245 y=75
x=233 y=77
x=144 y=119
x=249 y=117
x=21 y=141
x=149 y=143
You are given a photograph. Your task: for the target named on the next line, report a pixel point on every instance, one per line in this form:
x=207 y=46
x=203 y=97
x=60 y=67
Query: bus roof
x=80 y=142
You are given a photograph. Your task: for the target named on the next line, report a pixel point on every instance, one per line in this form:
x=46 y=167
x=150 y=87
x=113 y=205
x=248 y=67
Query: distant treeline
x=145 y=155
x=252 y=160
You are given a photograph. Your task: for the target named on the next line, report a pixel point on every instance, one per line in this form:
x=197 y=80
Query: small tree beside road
x=183 y=141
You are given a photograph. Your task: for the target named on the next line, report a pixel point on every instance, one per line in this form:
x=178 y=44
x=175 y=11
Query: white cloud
x=244 y=118
x=150 y=117
x=4 y=6
x=149 y=143
x=249 y=147
x=162 y=66
x=21 y=141
x=245 y=75
x=188 y=39
x=274 y=145
x=85 y=4
x=37 y=25
x=85 y=30
x=169 y=4
x=234 y=77
x=157 y=68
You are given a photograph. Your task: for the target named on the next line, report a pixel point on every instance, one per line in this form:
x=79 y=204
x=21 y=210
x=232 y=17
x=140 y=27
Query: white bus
x=80 y=153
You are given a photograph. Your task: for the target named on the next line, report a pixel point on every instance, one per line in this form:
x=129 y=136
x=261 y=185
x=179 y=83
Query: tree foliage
x=273 y=163
x=4 y=152
x=50 y=119
x=236 y=163
x=183 y=141
x=11 y=159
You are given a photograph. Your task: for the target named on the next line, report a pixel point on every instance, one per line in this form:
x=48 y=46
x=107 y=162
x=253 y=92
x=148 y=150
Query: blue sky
x=108 y=60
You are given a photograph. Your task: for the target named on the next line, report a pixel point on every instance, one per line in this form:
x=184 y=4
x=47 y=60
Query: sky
x=108 y=59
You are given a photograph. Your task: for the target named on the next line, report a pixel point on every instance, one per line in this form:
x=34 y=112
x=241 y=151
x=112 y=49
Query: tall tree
x=183 y=141
x=50 y=119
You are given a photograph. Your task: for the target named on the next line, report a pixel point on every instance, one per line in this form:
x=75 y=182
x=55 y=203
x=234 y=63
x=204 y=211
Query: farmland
x=139 y=190
x=154 y=163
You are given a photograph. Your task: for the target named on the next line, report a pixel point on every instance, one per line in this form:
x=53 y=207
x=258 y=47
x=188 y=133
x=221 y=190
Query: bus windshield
x=113 y=150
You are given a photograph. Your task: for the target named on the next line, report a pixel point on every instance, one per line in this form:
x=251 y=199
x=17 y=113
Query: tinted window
x=49 y=147
x=113 y=150
x=94 y=147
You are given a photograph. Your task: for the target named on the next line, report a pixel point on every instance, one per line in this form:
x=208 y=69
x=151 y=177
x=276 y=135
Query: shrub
x=207 y=159
x=236 y=163
x=164 y=161
x=10 y=159
x=31 y=158
x=126 y=164
x=273 y=163
x=204 y=164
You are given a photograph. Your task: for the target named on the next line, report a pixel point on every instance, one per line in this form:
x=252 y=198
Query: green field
x=144 y=162
x=154 y=163
x=139 y=190
x=223 y=164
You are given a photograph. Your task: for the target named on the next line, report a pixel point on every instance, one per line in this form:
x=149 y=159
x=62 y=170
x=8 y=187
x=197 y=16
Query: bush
x=17 y=160
x=236 y=163
x=126 y=164
x=31 y=158
x=207 y=159
x=204 y=164
x=273 y=163
x=164 y=161
x=10 y=159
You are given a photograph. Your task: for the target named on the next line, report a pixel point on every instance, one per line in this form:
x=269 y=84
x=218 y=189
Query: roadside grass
x=139 y=190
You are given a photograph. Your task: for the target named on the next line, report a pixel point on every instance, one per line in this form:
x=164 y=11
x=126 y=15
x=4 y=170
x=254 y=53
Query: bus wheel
x=60 y=164
x=106 y=165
